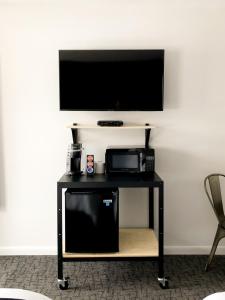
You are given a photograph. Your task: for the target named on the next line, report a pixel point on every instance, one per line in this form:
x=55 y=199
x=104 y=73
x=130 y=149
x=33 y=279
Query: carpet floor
x=114 y=280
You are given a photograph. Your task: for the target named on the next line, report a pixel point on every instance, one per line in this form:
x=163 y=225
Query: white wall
x=189 y=139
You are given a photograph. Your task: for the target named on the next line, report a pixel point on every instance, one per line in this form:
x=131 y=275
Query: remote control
x=110 y=123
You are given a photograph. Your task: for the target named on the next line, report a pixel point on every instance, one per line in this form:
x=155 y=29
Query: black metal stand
x=102 y=181
x=122 y=181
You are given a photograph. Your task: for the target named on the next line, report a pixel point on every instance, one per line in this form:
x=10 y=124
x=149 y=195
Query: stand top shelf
x=107 y=181
x=125 y=126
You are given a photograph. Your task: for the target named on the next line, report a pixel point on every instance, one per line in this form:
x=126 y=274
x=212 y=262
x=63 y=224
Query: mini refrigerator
x=91 y=220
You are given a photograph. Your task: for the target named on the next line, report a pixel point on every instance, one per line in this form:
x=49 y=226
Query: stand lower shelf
x=133 y=242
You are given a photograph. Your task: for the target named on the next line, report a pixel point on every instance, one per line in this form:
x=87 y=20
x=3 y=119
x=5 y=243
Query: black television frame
x=62 y=52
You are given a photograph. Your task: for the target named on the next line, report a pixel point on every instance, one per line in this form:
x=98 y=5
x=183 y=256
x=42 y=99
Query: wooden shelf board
x=133 y=242
x=91 y=126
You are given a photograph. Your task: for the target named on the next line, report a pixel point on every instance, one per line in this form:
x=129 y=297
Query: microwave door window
x=127 y=162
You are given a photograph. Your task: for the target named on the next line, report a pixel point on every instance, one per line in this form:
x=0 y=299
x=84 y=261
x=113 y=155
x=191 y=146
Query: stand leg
x=63 y=283
x=151 y=208
x=163 y=281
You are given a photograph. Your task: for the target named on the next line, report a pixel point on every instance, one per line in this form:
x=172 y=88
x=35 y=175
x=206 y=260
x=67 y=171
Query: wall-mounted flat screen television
x=122 y=80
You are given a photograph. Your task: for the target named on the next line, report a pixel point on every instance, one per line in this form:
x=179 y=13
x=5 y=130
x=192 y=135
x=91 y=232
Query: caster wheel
x=63 y=283
x=164 y=286
x=65 y=286
x=163 y=283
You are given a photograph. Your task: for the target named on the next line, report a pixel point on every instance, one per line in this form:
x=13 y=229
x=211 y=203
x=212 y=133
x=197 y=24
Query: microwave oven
x=130 y=160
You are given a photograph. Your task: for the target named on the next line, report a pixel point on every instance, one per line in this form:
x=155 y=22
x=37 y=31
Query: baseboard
x=28 y=251
x=192 y=250
x=169 y=250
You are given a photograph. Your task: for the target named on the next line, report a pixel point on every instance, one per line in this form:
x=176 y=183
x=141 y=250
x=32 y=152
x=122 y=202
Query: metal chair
x=213 y=192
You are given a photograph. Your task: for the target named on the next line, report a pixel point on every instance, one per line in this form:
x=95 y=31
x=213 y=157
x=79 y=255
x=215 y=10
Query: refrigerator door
x=91 y=221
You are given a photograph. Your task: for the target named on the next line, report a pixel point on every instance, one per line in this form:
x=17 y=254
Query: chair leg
x=220 y=233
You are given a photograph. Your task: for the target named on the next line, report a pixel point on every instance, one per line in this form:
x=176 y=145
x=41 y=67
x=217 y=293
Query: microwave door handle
x=142 y=161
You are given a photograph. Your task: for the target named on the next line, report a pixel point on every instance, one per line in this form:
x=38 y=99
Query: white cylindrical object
x=100 y=167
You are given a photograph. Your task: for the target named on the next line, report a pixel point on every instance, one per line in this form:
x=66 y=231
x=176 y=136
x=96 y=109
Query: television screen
x=111 y=80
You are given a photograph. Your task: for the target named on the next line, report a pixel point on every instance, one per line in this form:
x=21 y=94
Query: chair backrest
x=215 y=196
